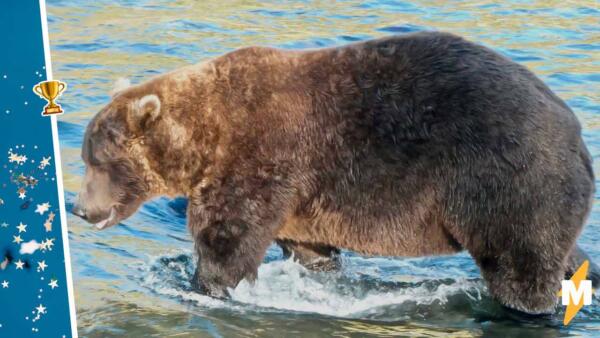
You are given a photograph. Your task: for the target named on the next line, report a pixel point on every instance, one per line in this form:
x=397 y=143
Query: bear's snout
x=79 y=211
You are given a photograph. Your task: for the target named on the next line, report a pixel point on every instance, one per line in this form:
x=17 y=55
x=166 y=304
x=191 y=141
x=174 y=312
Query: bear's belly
x=410 y=234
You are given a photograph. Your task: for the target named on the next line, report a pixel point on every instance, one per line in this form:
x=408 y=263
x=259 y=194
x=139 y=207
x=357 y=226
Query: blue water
x=134 y=278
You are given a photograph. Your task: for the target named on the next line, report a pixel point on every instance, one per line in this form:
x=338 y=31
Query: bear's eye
x=91 y=154
x=85 y=150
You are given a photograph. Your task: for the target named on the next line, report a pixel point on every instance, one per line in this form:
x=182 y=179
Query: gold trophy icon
x=50 y=90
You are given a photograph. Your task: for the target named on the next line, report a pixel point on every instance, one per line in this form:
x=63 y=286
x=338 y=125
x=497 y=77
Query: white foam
x=287 y=285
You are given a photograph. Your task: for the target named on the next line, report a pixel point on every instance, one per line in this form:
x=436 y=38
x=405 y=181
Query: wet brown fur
x=413 y=145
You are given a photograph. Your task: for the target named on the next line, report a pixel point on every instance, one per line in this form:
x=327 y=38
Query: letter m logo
x=571 y=295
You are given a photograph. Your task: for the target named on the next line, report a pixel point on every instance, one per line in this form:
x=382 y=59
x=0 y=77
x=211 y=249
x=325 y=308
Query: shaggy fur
x=412 y=145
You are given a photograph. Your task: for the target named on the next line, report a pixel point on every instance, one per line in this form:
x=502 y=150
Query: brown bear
x=411 y=145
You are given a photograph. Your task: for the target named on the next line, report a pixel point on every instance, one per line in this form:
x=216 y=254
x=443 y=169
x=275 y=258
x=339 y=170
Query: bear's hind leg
x=521 y=227
x=312 y=256
x=523 y=278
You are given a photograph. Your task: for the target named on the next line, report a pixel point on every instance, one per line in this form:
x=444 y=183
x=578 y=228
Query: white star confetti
x=42 y=266
x=44 y=162
x=14 y=157
x=22 y=227
x=17 y=239
x=53 y=283
x=48 y=223
x=47 y=244
x=42 y=208
x=19 y=264
x=41 y=309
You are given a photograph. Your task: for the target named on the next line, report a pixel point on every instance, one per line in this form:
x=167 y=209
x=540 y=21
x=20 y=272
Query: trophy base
x=52 y=111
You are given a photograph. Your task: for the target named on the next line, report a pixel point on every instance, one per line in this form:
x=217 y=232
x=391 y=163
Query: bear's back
x=432 y=93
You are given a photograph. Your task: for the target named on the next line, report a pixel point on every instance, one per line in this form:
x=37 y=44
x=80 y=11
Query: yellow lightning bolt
x=573 y=307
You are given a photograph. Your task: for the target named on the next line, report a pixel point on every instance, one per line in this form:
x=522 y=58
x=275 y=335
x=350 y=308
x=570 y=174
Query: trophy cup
x=50 y=90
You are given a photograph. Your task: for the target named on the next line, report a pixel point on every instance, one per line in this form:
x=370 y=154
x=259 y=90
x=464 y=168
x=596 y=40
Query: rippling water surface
x=132 y=280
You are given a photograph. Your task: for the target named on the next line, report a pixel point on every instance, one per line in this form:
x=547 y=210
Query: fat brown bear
x=411 y=145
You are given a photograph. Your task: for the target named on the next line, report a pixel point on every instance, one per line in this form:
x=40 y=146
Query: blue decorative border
x=34 y=284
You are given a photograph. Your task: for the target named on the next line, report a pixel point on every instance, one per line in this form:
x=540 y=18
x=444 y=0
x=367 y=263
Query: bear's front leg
x=232 y=225
x=228 y=250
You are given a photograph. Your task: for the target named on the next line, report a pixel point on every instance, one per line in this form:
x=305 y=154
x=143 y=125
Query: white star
x=22 y=195
x=41 y=309
x=48 y=226
x=4 y=284
x=4 y=225
x=20 y=159
x=47 y=244
x=53 y=283
x=17 y=239
x=12 y=157
x=44 y=162
x=19 y=264
x=22 y=227
x=42 y=265
x=42 y=208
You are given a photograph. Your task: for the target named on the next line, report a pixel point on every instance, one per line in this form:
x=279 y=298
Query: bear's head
x=117 y=178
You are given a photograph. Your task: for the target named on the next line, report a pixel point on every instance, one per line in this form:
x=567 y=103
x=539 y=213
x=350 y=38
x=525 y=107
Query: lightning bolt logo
x=576 y=292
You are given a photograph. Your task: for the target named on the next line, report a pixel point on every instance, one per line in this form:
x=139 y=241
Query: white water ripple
x=287 y=285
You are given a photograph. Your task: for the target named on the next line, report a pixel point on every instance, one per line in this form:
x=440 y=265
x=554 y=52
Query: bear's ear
x=120 y=85
x=146 y=111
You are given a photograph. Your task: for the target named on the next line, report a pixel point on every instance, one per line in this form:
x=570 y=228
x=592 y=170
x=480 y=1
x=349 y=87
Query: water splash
x=288 y=285
x=285 y=285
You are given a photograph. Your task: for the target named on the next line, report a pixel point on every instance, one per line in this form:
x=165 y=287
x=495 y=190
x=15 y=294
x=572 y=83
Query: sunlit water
x=134 y=279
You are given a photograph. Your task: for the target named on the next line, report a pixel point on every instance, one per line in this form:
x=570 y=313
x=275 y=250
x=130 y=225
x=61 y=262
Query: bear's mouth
x=111 y=220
